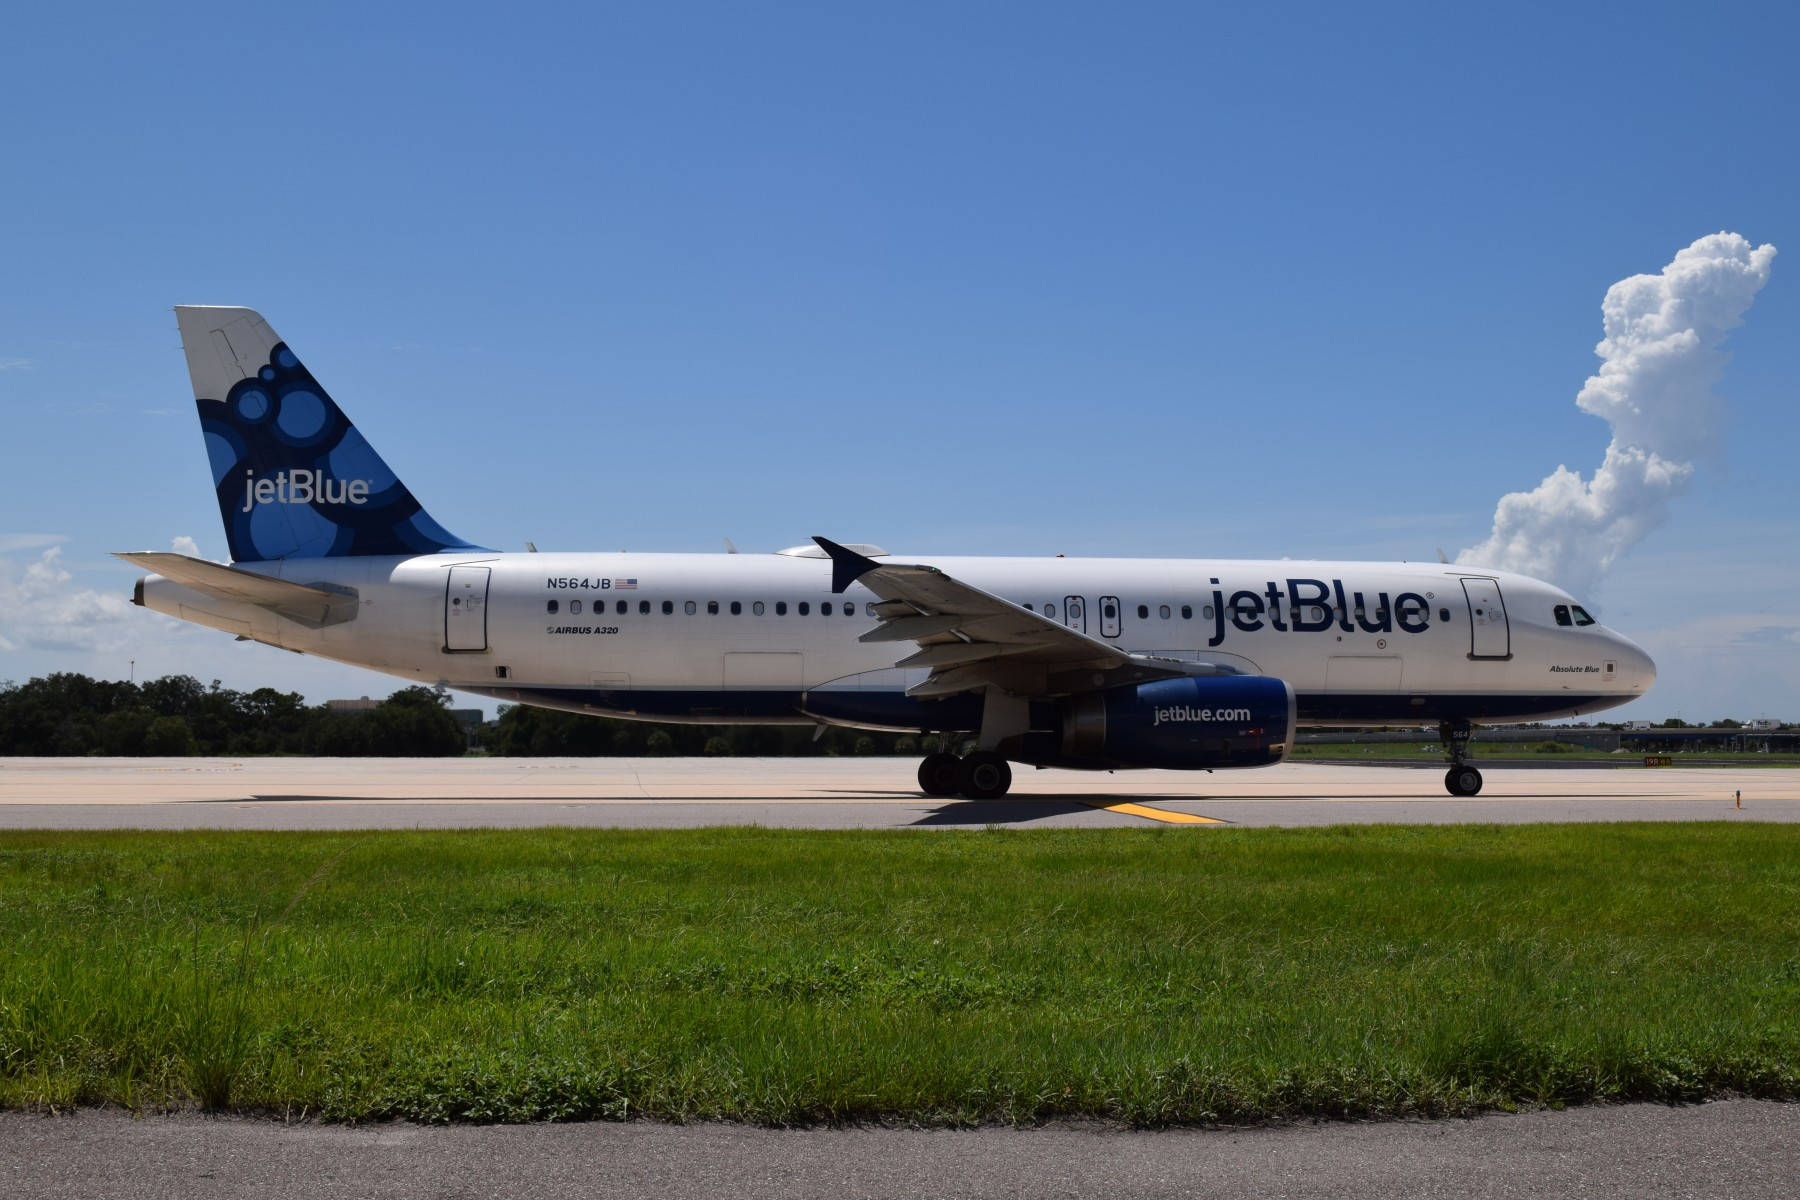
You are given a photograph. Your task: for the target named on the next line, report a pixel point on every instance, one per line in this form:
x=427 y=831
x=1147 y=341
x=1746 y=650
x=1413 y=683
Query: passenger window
x=736 y=608
x=1581 y=615
x=1562 y=614
x=1443 y=614
x=1187 y=612
x=1163 y=611
x=643 y=608
x=1207 y=612
x=825 y=608
x=1143 y=612
x=781 y=608
x=1028 y=607
x=756 y=610
x=849 y=608
x=574 y=608
x=620 y=608
x=551 y=607
x=688 y=608
x=1049 y=610
x=803 y=608
x=712 y=607
x=668 y=607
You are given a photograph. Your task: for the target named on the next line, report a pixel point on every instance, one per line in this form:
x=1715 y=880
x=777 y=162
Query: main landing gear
x=982 y=775
x=1461 y=779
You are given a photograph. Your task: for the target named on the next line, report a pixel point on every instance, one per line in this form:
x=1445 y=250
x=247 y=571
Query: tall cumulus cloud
x=1659 y=361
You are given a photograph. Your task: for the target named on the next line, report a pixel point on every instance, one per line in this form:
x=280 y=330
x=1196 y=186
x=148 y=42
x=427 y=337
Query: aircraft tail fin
x=293 y=476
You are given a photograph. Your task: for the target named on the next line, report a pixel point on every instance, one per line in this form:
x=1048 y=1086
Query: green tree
x=169 y=737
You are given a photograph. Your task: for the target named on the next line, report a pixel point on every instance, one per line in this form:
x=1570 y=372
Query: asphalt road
x=290 y=793
x=1722 y=1151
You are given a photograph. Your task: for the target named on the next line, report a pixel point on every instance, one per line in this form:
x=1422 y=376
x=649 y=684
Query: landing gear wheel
x=1462 y=781
x=938 y=774
x=983 y=775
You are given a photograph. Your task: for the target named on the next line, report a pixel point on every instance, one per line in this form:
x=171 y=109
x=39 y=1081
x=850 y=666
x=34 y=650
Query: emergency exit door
x=465 y=610
x=1075 y=613
x=1490 y=636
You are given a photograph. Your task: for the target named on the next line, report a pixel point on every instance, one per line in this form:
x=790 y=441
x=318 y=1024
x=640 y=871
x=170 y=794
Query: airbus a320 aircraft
x=1102 y=663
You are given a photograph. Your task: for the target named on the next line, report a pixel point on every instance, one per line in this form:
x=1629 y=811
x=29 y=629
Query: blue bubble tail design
x=295 y=479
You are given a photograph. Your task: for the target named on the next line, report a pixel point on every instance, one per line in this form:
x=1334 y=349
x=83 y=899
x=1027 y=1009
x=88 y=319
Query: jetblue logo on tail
x=302 y=487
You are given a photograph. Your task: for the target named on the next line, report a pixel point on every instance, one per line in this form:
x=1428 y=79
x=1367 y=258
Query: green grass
x=1153 y=977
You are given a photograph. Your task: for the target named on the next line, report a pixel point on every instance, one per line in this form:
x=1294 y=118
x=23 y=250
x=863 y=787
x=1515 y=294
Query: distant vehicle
x=1100 y=663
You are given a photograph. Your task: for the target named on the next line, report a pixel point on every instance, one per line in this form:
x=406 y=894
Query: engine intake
x=1186 y=724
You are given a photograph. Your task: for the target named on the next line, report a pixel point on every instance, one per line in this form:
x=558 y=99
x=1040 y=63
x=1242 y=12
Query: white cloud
x=29 y=541
x=1660 y=359
x=42 y=608
x=14 y=364
x=185 y=545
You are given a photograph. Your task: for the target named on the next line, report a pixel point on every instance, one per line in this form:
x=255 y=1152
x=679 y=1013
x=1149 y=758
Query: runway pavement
x=1740 y=1149
x=290 y=793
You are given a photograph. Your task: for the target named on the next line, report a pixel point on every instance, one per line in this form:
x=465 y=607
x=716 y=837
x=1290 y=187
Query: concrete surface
x=292 y=793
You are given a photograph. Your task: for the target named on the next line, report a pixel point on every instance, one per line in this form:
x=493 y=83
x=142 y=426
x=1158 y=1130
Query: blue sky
x=1139 y=279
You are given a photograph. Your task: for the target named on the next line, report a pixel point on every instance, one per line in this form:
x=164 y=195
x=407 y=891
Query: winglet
x=847 y=566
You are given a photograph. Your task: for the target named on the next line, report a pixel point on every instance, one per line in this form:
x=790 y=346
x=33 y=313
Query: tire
x=939 y=774
x=1462 y=781
x=983 y=775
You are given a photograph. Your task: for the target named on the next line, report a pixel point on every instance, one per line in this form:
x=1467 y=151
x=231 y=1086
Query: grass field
x=1152 y=977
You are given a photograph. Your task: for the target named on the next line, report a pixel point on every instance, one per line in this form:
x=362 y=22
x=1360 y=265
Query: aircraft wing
x=313 y=607
x=972 y=639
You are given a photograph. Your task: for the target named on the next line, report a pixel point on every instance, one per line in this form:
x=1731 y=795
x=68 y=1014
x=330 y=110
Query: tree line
x=70 y=714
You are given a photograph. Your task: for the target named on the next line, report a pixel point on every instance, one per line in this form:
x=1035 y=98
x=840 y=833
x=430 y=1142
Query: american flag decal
x=624 y=585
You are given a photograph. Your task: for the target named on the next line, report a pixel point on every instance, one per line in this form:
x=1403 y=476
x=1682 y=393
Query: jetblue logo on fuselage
x=1314 y=606
x=302 y=487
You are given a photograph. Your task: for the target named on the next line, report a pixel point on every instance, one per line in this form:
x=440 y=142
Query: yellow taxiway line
x=1155 y=814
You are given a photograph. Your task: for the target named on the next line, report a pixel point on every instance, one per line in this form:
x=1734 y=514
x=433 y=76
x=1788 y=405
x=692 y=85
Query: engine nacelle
x=1186 y=724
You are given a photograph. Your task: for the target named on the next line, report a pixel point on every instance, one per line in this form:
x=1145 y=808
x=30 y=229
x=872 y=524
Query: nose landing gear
x=982 y=775
x=1461 y=779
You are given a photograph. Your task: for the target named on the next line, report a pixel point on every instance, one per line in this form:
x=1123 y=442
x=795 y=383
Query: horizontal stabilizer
x=313 y=607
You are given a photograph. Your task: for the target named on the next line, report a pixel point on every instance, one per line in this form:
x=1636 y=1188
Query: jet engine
x=1191 y=723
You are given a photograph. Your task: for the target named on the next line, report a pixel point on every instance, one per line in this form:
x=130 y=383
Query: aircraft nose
x=1637 y=670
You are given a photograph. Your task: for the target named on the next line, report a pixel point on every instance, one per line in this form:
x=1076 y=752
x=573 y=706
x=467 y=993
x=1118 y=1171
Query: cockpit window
x=1562 y=615
x=1581 y=615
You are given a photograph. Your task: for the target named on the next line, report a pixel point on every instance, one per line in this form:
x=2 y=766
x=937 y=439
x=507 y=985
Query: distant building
x=349 y=706
x=1763 y=723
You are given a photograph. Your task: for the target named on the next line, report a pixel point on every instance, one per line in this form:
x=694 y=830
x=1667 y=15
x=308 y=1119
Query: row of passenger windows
x=1108 y=611
x=690 y=607
x=1311 y=612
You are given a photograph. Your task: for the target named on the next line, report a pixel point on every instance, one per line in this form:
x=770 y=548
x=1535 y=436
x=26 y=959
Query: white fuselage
x=727 y=638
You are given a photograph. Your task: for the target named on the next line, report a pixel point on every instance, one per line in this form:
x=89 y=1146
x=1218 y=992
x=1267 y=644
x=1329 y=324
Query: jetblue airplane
x=1100 y=663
